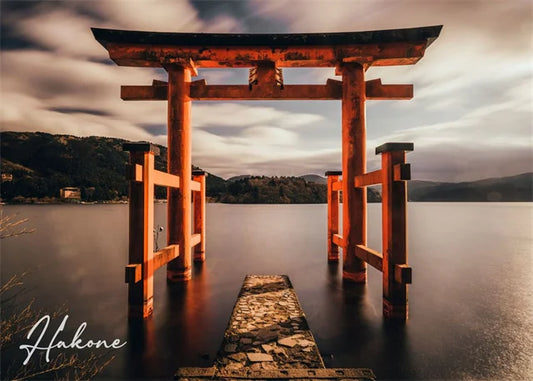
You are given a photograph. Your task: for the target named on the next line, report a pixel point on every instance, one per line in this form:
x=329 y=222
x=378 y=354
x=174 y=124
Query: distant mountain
x=315 y=179
x=237 y=178
x=512 y=188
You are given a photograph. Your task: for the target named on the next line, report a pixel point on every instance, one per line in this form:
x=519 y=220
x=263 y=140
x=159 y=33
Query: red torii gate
x=180 y=54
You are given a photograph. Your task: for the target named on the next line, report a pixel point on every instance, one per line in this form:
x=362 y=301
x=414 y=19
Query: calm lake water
x=471 y=301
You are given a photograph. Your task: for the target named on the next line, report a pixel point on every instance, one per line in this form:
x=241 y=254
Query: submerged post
x=353 y=163
x=199 y=215
x=333 y=214
x=396 y=272
x=141 y=226
x=179 y=163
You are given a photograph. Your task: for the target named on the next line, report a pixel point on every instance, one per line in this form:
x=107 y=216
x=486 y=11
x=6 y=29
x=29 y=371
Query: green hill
x=41 y=164
x=315 y=179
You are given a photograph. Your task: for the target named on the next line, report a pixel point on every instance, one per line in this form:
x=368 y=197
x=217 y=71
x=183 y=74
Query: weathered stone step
x=268 y=338
x=212 y=373
x=268 y=329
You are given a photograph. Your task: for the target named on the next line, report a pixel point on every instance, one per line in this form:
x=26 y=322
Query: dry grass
x=17 y=319
x=10 y=226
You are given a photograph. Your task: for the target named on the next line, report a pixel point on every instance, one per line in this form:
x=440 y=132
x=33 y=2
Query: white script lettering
x=76 y=343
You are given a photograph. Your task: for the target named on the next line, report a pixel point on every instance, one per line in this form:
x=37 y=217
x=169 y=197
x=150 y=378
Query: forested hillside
x=41 y=164
x=279 y=190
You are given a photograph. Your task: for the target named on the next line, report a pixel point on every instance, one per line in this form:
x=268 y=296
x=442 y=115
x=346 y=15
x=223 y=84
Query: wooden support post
x=353 y=164
x=333 y=215
x=199 y=215
x=179 y=163
x=141 y=227
x=394 y=220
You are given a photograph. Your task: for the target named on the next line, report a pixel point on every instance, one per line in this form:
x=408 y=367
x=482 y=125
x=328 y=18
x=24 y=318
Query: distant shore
x=37 y=167
x=117 y=202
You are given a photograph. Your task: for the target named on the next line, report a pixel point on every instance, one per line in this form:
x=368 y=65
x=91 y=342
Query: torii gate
x=351 y=54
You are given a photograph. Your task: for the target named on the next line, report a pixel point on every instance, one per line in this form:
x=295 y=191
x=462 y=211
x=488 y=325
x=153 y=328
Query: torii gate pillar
x=351 y=53
x=353 y=164
x=179 y=163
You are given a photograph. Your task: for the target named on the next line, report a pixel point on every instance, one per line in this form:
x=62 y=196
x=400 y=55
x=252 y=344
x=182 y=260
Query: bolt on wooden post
x=179 y=163
x=198 y=198
x=141 y=226
x=333 y=214
x=353 y=163
x=396 y=272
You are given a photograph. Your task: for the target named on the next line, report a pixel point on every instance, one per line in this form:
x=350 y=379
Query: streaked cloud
x=239 y=115
x=471 y=116
x=61 y=31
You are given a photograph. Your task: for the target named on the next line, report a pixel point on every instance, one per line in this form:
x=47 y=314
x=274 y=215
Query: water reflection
x=141 y=348
x=470 y=306
x=332 y=275
x=396 y=349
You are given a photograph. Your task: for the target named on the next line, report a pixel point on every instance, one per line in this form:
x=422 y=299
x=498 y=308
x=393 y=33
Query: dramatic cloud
x=248 y=136
x=470 y=118
x=472 y=107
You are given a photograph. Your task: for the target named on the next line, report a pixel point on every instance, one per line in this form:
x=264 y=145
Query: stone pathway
x=268 y=329
x=268 y=339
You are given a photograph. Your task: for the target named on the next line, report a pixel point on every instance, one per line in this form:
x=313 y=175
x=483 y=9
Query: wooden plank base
x=394 y=311
x=356 y=277
x=136 y=311
x=199 y=256
x=179 y=275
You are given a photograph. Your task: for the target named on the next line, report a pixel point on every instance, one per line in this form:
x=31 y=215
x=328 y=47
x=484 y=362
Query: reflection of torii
x=352 y=53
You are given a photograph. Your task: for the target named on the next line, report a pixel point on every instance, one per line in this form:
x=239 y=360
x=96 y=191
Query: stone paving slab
x=267 y=329
x=268 y=338
x=337 y=374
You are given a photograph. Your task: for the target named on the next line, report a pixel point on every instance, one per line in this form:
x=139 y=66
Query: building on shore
x=70 y=194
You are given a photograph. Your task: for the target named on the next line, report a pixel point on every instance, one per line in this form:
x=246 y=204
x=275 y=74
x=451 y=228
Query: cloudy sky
x=471 y=116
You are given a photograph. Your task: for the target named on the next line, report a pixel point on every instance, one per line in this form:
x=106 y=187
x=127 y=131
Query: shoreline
x=118 y=202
